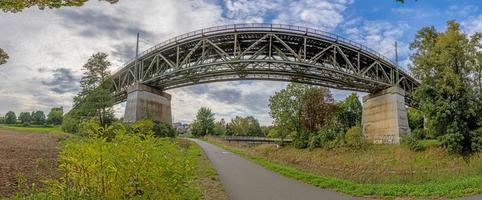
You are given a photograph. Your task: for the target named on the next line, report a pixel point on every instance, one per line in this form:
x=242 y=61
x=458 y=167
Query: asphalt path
x=245 y=180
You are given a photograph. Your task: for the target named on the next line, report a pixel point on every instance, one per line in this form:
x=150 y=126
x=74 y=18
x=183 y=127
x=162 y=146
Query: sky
x=47 y=48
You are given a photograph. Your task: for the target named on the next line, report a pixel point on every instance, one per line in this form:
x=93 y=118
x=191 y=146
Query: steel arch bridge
x=262 y=52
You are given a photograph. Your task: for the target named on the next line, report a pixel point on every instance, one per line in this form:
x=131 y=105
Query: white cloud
x=40 y=42
x=379 y=36
x=472 y=24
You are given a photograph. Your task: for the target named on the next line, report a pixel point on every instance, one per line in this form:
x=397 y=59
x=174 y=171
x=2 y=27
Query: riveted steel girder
x=262 y=52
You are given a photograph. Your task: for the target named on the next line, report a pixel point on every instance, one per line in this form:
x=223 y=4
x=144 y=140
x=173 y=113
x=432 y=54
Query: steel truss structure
x=262 y=52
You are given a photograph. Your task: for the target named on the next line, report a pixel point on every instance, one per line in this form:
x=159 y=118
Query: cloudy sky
x=48 y=47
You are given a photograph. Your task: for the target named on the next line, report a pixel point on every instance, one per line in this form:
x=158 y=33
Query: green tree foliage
x=38 y=117
x=204 y=123
x=219 y=128
x=70 y=124
x=415 y=118
x=19 y=5
x=286 y=108
x=10 y=118
x=349 y=111
x=3 y=56
x=299 y=111
x=25 y=117
x=162 y=129
x=56 y=116
x=95 y=100
x=2 y=120
x=354 y=137
x=245 y=126
x=443 y=62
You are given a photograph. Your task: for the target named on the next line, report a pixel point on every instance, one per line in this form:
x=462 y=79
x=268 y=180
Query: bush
x=130 y=166
x=70 y=124
x=26 y=124
x=412 y=143
x=162 y=129
x=418 y=134
x=354 y=137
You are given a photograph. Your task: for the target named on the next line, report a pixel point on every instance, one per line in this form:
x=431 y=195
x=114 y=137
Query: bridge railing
x=254 y=139
x=267 y=27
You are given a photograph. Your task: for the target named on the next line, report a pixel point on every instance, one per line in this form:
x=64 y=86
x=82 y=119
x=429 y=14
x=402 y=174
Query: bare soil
x=26 y=159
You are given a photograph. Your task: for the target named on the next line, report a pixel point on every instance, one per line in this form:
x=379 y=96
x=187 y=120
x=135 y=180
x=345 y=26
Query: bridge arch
x=261 y=52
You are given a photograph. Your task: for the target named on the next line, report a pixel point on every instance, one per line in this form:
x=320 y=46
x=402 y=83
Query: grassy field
x=31 y=129
x=378 y=171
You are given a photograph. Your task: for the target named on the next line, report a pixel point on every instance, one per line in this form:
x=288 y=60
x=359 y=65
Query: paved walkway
x=245 y=180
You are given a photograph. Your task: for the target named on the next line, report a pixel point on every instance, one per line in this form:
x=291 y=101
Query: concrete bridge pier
x=147 y=102
x=384 y=118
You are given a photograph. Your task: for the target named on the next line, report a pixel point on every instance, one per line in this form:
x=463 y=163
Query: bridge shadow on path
x=245 y=180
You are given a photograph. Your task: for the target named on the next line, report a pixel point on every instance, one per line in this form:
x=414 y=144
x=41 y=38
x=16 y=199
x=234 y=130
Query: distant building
x=182 y=127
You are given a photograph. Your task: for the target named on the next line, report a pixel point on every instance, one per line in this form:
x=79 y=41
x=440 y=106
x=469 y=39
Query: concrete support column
x=147 y=102
x=384 y=117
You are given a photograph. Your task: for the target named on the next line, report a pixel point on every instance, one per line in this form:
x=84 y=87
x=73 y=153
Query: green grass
x=31 y=129
x=457 y=187
x=430 y=143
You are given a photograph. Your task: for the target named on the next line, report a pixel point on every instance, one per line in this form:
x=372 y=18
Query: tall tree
x=95 y=100
x=204 y=122
x=55 y=116
x=245 y=126
x=3 y=57
x=317 y=108
x=10 y=118
x=25 y=117
x=19 y=5
x=38 y=117
x=286 y=108
x=349 y=112
x=447 y=93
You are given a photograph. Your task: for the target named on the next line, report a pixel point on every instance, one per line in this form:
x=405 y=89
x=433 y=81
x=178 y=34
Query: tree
x=300 y=110
x=317 y=108
x=55 y=116
x=245 y=126
x=3 y=57
x=219 y=128
x=162 y=129
x=10 y=118
x=38 y=117
x=349 y=112
x=19 y=5
x=2 y=120
x=448 y=94
x=415 y=118
x=204 y=122
x=286 y=108
x=95 y=100
x=25 y=117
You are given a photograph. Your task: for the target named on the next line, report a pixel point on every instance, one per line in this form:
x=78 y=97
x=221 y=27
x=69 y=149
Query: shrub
x=162 y=129
x=26 y=124
x=70 y=124
x=130 y=166
x=412 y=143
x=476 y=137
x=418 y=134
x=354 y=137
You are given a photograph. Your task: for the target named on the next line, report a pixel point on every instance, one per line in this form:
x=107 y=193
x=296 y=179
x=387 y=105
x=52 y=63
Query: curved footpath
x=245 y=180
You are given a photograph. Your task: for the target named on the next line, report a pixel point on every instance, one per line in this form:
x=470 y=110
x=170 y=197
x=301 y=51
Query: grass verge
x=431 y=189
x=31 y=129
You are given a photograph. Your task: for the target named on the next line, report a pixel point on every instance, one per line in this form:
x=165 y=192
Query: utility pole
x=137 y=56
x=396 y=63
x=137 y=46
